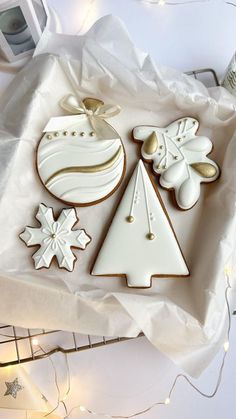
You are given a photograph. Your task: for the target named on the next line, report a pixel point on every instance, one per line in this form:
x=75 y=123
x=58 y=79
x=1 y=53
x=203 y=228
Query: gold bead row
x=66 y=133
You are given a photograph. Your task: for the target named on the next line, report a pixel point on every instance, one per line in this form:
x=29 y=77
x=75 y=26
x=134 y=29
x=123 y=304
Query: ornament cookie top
x=55 y=238
x=81 y=158
x=180 y=158
x=140 y=243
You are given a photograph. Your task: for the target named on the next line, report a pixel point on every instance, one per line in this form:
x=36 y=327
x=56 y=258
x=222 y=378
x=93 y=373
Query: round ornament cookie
x=81 y=158
x=179 y=157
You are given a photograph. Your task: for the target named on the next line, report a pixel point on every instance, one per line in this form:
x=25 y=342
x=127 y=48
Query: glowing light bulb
x=162 y=2
x=227 y=270
x=226 y=346
x=167 y=400
x=82 y=408
x=35 y=342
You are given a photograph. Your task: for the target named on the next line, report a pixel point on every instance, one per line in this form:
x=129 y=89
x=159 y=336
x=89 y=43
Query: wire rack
x=18 y=345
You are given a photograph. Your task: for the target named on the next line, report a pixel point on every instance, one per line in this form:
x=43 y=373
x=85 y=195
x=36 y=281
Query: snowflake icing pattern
x=55 y=238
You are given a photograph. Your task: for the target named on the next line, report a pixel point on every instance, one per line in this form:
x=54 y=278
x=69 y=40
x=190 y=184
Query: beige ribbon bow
x=96 y=111
x=94 y=108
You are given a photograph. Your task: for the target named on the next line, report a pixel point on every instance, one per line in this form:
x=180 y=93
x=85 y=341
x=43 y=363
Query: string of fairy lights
x=61 y=400
x=179 y=3
x=87 y=15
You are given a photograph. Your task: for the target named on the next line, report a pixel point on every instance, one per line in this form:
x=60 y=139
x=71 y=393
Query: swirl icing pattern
x=78 y=167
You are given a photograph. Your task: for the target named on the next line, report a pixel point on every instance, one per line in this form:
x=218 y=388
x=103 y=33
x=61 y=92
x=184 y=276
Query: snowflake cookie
x=180 y=158
x=55 y=238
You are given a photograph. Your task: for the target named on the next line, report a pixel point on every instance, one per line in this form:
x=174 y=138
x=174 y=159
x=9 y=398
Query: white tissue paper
x=184 y=318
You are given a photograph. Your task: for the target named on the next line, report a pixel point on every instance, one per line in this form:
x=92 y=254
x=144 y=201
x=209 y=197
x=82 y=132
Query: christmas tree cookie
x=179 y=157
x=140 y=243
x=81 y=158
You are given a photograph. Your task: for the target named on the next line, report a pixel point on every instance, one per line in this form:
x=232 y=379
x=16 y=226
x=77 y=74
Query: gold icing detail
x=150 y=236
x=206 y=170
x=74 y=133
x=53 y=236
x=130 y=219
x=49 y=137
x=56 y=134
x=88 y=169
x=92 y=104
x=151 y=144
x=65 y=133
x=92 y=133
x=82 y=134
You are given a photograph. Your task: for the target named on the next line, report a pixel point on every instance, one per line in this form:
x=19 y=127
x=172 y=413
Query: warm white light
x=161 y=2
x=82 y=408
x=226 y=346
x=167 y=400
x=35 y=342
x=227 y=270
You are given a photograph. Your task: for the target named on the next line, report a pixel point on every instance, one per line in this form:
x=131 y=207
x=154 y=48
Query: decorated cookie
x=81 y=158
x=55 y=238
x=140 y=243
x=179 y=156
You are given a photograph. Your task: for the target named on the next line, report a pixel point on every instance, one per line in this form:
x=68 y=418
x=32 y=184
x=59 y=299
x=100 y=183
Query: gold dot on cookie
x=49 y=136
x=53 y=236
x=130 y=219
x=56 y=134
x=82 y=134
x=74 y=133
x=150 y=236
x=176 y=157
x=178 y=139
x=161 y=147
x=164 y=166
x=92 y=133
x=65 y=133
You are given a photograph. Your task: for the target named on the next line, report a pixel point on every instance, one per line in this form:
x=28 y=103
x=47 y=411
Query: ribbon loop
x=93 y=108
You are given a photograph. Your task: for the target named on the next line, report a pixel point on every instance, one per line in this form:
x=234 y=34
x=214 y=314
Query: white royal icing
x=57 y=152
x=55 y=238
x=128 y=250
x=178 y=151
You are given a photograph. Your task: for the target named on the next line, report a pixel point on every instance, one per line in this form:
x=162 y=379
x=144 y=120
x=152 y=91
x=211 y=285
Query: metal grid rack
x=17 y=345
